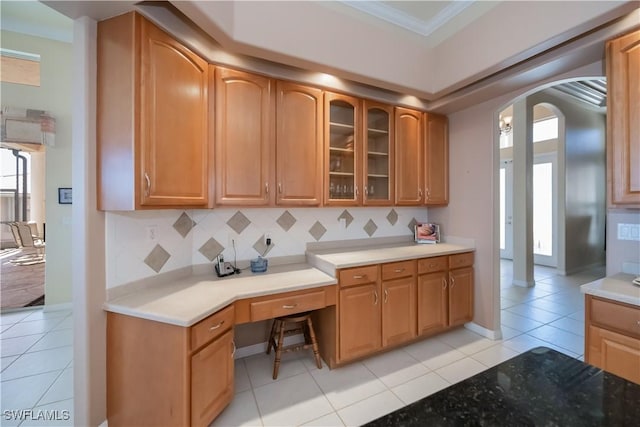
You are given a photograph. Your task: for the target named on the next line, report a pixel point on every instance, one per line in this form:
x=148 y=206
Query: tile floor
x=36 y=350
x=37 y=375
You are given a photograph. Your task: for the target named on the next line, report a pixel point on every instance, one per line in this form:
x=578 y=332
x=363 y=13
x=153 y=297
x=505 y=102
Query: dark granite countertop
x=541 y=387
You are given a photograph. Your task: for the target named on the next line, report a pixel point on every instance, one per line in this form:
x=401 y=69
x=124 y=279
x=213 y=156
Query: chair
x=301 y=324
x=28 y=240
x=16 y=234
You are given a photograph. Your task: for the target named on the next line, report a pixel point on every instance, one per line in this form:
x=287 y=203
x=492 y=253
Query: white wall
x=54 y=95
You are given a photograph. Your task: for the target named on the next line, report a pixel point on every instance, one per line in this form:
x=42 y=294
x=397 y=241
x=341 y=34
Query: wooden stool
x=301 y=325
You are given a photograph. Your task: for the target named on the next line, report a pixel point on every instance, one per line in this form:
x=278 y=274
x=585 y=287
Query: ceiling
x=442 y=52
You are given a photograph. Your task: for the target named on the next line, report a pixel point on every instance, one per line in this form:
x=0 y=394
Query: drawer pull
x=147 y=190
x=453 y=281
x=399 y=270
x=233 y=352
x=214 y=327
x=360 y=276
x=386 y=296
x=289 y=306
x=375 y=296
x=638 y=322
x=444 y=283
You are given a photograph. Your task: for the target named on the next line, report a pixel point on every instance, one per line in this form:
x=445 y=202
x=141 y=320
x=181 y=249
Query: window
x=545 y=129
x=19 y=67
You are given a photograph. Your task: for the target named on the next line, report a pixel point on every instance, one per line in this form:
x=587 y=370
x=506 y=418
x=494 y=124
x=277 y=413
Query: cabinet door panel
x=408 y=157
x=378 y=163
x=359 y=320
x=398 y=311
x=460 y=296
x=173 y=122
x=436 y=160
x=623 y=119
x=211 y=380
x=614 y=353
x=245 y=146
x=343 y=144
x=299 y=145
x=432 y=303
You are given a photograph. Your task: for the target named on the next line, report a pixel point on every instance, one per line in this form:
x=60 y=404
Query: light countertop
x=186 y=301
x=330 y=260
x=617 y=288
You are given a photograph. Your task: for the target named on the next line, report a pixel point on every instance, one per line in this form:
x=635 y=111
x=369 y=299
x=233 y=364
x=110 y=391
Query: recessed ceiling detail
x=593 y=92
x=402 y=19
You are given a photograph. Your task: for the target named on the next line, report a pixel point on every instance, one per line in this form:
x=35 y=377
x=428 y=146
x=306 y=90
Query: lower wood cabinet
x=162 y=374
x=359 y=320
x=382 y=306
x=612 y=339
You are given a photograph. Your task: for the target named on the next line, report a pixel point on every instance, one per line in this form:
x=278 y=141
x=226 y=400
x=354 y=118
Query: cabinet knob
x=214 y=327
x=289 y=306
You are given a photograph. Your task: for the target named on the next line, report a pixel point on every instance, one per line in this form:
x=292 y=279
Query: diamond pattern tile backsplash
x=185 y=238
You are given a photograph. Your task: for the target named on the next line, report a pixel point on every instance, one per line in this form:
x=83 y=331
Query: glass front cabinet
x=358 y=150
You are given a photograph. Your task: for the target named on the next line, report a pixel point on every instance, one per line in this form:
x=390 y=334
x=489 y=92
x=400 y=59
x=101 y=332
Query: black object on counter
x=541 y=387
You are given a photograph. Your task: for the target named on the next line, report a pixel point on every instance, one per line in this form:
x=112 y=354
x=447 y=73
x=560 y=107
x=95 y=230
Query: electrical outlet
x=267 y=238
x=232 y=239
x=152 y=233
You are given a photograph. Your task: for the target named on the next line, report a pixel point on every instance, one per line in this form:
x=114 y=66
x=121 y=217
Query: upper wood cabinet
x=436 y=160
x=378 y=148
x=343 y=147
x=299 y=145
x=623 y=120
x=151 y=118
x=244 y=138
x=409 y=141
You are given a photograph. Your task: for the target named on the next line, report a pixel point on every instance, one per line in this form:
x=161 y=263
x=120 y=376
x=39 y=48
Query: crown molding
x=402 y=19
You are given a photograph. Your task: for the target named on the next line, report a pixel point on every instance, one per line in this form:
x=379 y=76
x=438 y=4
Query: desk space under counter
x=170 y=346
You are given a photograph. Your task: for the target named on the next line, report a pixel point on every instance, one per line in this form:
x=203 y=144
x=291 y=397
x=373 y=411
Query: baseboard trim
x=57 y=307
x=261 y=347
x=105 y=423
x=523 y=283
x=481 y=330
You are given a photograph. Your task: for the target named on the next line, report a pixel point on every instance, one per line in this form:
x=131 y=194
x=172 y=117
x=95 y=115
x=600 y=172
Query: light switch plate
x=629 y=232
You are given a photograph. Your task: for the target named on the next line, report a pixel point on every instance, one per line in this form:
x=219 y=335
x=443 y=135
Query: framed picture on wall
x=64 y=196
x=427 y=233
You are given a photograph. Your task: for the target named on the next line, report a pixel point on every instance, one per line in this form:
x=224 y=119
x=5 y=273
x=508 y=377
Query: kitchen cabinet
x=436 y=160
x=343 y=148
x=299 y=145
x=163 y=374
x=244 y=141
x=623 y=120
x=359 y=313
x=445 y=292
x=409 y=173
x=378 y=174
x=612 y=339
x=152 y=134
x=398 y=302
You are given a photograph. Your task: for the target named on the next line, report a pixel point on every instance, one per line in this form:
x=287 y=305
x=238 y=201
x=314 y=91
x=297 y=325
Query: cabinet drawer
x=358 y=276
x=211 y=327
x=395 y=270
x=610 y=315
x=274 y=307
x=431 y=265
x=461 y=260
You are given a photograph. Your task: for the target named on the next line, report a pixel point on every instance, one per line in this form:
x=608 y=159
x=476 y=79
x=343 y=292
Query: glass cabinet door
x=378 y=154
x=342 y=140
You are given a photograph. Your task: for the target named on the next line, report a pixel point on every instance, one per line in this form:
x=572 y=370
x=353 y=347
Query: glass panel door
x=342 y=148
x=506 y=209
x=544 y=210
x=377 y=181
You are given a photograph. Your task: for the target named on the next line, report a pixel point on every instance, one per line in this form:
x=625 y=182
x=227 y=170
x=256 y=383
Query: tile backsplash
x=143 y=244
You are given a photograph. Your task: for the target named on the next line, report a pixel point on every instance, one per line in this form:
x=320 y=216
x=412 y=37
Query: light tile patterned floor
x=36 y=362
